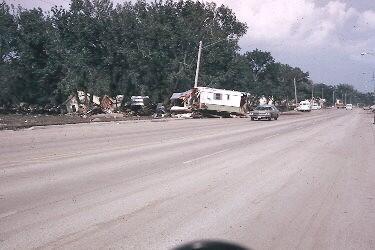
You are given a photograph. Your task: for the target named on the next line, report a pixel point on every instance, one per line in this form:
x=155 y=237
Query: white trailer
x=211 y=99
x=222 y=100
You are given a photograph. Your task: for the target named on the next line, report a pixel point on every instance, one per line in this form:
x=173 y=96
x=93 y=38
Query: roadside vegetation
x=138 y=48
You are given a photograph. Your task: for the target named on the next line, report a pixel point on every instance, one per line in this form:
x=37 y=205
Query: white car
x=304 y=106
x=315 y=106
x=349 y=106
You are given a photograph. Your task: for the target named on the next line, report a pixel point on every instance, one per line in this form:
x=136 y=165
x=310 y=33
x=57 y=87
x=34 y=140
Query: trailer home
x=211 y=99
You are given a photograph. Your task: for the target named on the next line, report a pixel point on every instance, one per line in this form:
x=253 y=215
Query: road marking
x=272 y=136
x=3 y=215
x=205 y=156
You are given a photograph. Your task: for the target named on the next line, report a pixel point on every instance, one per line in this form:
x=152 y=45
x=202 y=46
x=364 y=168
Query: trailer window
x=217 y=96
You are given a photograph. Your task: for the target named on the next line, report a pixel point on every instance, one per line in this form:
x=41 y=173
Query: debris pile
x=25 y=108
x=85 y=104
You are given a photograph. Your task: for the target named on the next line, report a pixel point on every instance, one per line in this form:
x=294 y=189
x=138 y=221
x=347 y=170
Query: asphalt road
x=302 y=182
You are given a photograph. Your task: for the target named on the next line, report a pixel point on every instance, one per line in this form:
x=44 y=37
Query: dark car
x=265 y=112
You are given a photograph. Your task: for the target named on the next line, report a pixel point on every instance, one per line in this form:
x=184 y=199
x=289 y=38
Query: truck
x=304 y=106
x=141 y=105
x=339 y=104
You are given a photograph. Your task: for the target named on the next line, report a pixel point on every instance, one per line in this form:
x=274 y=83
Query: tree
x=140 y=48
x=34 y=75
x=8 y=52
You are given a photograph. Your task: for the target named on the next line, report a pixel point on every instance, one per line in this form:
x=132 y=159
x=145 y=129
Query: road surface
x=302 y=182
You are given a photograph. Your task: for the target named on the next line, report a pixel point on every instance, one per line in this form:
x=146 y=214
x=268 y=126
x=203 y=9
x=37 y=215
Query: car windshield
x=263 y=108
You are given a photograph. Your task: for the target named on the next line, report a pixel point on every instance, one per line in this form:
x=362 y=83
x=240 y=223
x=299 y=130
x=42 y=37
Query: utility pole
x=198 y=64
x=333 y=98
x=312 y=93
x=345 y=98
x=295 y=91
x=373 y=79
x=200 y=54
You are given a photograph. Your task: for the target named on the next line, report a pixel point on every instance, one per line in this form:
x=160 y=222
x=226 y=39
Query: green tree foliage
x=272 y=79
x=347 y=93
x=8 y=43
x=141 y=48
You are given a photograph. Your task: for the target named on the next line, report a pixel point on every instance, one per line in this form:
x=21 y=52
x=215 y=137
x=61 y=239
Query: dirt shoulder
x=18 y=121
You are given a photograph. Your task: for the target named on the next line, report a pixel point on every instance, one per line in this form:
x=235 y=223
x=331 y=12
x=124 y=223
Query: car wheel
x=276 y=117
x=269 y=118
x=252 y=118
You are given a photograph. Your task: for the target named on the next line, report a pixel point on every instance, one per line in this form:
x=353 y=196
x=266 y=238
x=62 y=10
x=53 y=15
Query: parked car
x=349 y=106
x=141 y=105
x=304 y=106
x=265 y=112
x=340 y=105
x=366 y=108
x=316 y=106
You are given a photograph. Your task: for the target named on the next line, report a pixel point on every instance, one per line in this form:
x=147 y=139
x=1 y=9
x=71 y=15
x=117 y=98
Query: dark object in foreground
x=210 y=245
x=265 y=112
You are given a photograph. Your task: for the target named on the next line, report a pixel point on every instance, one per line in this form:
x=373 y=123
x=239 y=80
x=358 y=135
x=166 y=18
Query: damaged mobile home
x=210 y=100
x=82 y=102
x=79 y=101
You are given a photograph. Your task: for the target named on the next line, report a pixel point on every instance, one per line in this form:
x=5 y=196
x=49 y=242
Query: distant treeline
x=137 y=48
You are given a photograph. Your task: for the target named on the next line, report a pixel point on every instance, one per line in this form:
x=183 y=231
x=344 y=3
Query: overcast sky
x=324 y=37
